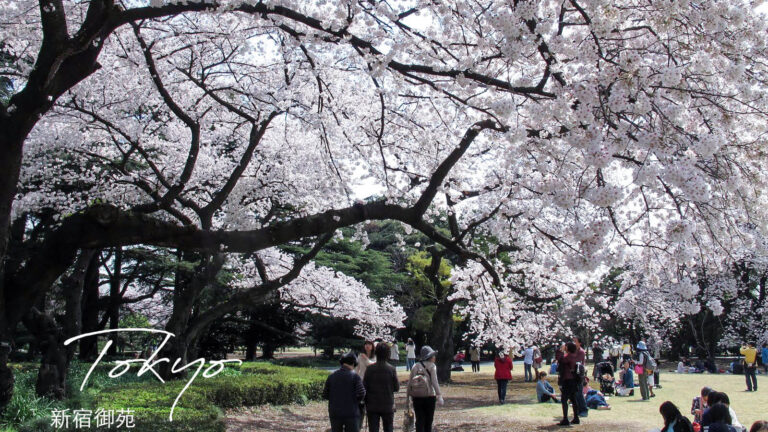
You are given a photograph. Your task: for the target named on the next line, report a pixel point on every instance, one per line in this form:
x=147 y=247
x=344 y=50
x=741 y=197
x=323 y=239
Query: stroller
x=604 y=375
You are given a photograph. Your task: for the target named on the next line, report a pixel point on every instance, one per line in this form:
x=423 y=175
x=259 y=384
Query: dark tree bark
x=113 y=311
x=442 y=339
x=52 y=375
x=90 y=309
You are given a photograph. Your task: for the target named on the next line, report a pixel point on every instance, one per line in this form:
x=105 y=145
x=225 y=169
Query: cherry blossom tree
x=553 y=135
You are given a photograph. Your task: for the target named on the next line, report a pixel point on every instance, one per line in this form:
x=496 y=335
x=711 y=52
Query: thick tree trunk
x=250 y=350
x=114 y=300
x=52 y=374
x=90 y=309
x=442 y=339
x=268 y=351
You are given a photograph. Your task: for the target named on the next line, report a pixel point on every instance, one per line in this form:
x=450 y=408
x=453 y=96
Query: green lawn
x=680 y=389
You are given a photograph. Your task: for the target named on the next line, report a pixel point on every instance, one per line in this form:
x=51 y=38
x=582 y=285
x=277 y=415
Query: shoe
x=583 y=414
x=575 y=420
x=653 y=395
x=564 y=422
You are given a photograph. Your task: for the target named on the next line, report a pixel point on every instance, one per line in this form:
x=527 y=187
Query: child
x=544 y=391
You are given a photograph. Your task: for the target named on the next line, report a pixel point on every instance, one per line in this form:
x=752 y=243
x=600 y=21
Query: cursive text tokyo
x=149 y=364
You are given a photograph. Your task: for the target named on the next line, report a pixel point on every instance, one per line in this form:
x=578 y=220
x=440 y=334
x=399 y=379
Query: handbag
x=639 y=369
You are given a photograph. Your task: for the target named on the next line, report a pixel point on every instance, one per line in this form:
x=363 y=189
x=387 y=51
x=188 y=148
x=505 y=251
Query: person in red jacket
x=503 y=365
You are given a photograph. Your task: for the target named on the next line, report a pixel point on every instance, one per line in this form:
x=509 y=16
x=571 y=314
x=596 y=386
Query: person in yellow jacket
x=750 y=365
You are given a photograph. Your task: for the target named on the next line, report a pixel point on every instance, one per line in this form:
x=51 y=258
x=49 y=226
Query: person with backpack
x=503 y=374
x=568 y=382
x=424 y=390
x=646 y=366
x=381 y=383
x=344 y=392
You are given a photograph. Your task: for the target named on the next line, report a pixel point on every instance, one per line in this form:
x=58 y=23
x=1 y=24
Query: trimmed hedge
x=199 y=408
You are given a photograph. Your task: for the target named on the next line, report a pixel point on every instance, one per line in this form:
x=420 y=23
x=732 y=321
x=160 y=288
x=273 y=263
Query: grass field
x=631 y=413
x=471 y=407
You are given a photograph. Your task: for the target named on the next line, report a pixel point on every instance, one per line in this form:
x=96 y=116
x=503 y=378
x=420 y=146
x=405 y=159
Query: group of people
x=365 y=386
x=712 y=412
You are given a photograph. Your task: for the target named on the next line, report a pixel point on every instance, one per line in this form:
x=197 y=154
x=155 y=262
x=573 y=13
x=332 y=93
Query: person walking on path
x=580 y=357
x=424 y=389
x=381 y=383
x=750 y=366
x=366 y=358
x=344 y=391
x=503 y=365
x=642 y=360
x=567 y=380
x=764 y=355
x=528 y=363
x=410 y=354
x=474 y=357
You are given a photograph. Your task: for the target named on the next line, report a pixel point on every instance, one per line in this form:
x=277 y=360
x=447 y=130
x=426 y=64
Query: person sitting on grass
x=544 y=391
x=699 y=403
x=674 y=420
x=594 y=398
x=626 y=384
x=721 y=419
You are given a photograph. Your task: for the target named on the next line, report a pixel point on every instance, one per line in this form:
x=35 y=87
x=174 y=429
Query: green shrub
x=199 y=408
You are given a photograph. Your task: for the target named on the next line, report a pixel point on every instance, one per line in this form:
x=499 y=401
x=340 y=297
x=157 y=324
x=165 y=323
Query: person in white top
x=410 y=354
x=394 y=352
x=528 y=363
x=365 y=358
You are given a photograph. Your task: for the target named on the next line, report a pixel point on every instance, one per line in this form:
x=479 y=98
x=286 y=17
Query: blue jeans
x=502 y=389
x=750 y=375
x=582 y=404
x=409 y=362
x=528 y=373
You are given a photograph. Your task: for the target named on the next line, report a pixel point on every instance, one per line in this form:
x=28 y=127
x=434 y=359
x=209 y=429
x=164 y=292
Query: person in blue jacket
x=345 y=392
x=626 y=383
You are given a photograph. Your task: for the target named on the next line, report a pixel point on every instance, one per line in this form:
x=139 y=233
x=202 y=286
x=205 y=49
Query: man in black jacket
x=380 y=383
x=344 y=391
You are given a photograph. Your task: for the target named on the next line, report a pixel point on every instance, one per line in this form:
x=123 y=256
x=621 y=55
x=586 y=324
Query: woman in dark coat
x=380 y=383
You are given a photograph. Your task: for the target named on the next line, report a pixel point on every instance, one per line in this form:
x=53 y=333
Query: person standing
x=503 y=365
x=410 y=354
x=750 y=366
x=424 y=389
x=528 y=363
x=537 y=360
x=568 y=382
x=380 y=384
x=580 y=358
x=626 y=351
x=344 y=392
x=764 y=355
x=642 y=360
x=597 y=353
x=394 y=352
x=366 y=358
x=474 y=357
x=615 y=353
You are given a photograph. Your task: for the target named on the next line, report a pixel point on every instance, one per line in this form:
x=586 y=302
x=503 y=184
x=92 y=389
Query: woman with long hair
x=674 y=420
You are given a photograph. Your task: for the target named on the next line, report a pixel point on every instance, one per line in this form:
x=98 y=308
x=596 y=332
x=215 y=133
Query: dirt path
x=460 y=413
